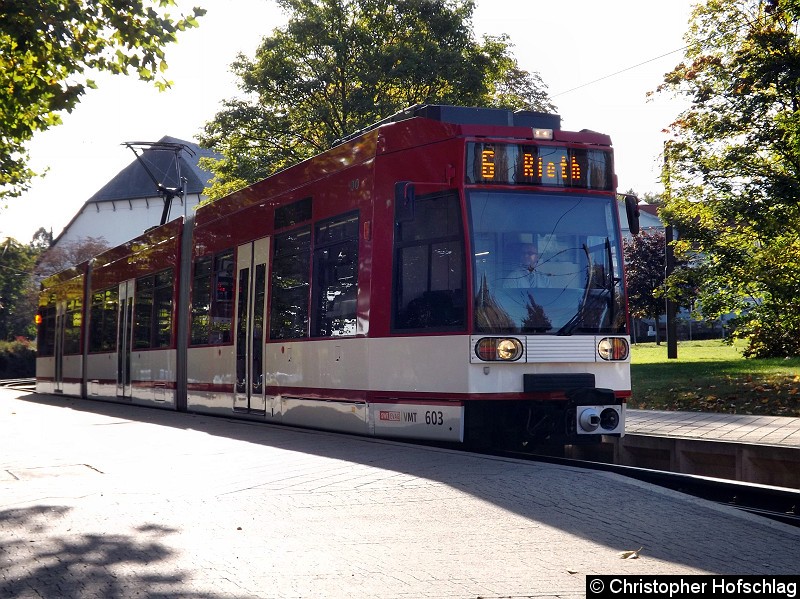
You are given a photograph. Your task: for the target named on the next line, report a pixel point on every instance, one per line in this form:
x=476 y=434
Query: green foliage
x=340 y=65
x=46 y=49
x=733 y=177
x=17 y=359
x=17 y=298
x=23 y=267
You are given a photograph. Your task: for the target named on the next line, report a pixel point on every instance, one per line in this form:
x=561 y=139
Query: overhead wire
x=743 y=24
x=630 y=68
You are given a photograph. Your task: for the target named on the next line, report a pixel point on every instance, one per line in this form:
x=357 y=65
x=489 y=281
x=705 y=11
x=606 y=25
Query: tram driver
x=524 y=273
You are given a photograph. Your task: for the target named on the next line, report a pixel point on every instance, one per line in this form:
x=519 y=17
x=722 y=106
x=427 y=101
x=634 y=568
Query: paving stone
x=134 y=502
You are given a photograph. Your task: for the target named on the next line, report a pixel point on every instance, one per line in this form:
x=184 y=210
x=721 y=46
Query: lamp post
x=669 y=259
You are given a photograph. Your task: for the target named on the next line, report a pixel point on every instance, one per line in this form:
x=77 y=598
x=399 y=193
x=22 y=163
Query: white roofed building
x=134 y=200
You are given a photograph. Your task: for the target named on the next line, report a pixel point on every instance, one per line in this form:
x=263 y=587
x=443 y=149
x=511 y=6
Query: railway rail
x=20 y=384
x=776 y=503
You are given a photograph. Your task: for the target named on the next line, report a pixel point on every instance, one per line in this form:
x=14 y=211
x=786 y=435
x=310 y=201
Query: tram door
x=252 y=260
x=124 y=338
x=58 y=348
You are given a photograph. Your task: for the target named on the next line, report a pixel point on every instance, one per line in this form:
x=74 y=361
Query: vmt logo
x=386 y=415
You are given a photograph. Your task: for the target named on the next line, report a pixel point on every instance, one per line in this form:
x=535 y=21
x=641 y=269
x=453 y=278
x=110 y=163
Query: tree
x=733 y=176
x=42 y=239
x=22 y=269
x=340 y=65
x=68 y=254
x=48 y=46
x=645 y=262
x=16 y=308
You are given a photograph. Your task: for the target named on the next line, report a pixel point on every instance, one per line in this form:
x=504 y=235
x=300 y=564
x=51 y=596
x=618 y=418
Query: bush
x=770 y=333
x=17 y=359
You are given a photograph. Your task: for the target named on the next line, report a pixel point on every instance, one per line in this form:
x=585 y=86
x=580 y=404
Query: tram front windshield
x=546 y=264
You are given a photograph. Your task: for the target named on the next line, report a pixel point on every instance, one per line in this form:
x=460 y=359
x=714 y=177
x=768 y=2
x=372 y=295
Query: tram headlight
x=613 y=348
x=494 y=349
x=609 y=419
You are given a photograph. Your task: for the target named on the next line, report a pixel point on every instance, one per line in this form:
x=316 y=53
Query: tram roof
x=466 y=115
x=414 y=126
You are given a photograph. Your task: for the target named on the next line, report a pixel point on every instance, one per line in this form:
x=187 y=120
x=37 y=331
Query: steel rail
x=776 y=503
x=20 y=384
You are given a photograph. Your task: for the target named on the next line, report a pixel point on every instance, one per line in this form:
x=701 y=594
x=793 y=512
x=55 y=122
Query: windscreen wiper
x=590 y=300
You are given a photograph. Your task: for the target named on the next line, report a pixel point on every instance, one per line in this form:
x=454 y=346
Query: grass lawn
x=709 y=376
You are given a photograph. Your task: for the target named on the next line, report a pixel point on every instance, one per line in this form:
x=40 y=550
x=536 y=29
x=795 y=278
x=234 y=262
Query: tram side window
x=293 y=214
x=429 y=270
x=103 y=320
x=201 y=301
x=72 y=326
x=335 y=283
x=212 y=299
x=222 y=300
x=162 y=308
x=153 y=322
x=46 y=337
x=290 y=283
x=143 y=320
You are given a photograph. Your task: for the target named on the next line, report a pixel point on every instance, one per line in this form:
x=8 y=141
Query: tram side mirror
x=404 y=196
x=632 y=210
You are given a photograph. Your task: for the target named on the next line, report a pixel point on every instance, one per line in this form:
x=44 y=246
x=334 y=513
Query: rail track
x=777 y=503
x=20 y=384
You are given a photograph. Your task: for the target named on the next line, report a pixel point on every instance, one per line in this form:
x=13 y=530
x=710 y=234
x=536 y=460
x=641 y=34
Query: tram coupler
x=592 y=412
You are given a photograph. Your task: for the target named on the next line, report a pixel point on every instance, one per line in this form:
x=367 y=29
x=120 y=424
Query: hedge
x=17 y=359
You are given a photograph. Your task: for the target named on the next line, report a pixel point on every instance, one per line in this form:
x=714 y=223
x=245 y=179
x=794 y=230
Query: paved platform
x=112 y=501
x=734 y=428
x=755 y=449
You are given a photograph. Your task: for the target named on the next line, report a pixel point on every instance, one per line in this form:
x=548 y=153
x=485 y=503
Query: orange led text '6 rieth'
x=561 y=170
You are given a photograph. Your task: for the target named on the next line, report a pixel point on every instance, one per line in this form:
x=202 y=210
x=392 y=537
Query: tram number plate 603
x=442 y=422
x=434 y=417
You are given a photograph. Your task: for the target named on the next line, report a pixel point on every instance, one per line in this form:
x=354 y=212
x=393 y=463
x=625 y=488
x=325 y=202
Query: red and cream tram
x=450 y=273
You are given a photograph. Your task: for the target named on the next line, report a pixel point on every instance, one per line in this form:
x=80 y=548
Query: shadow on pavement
x=35 y=563
x=600 y=507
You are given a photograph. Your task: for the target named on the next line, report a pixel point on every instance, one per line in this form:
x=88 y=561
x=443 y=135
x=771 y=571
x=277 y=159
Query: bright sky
x=571 y=44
